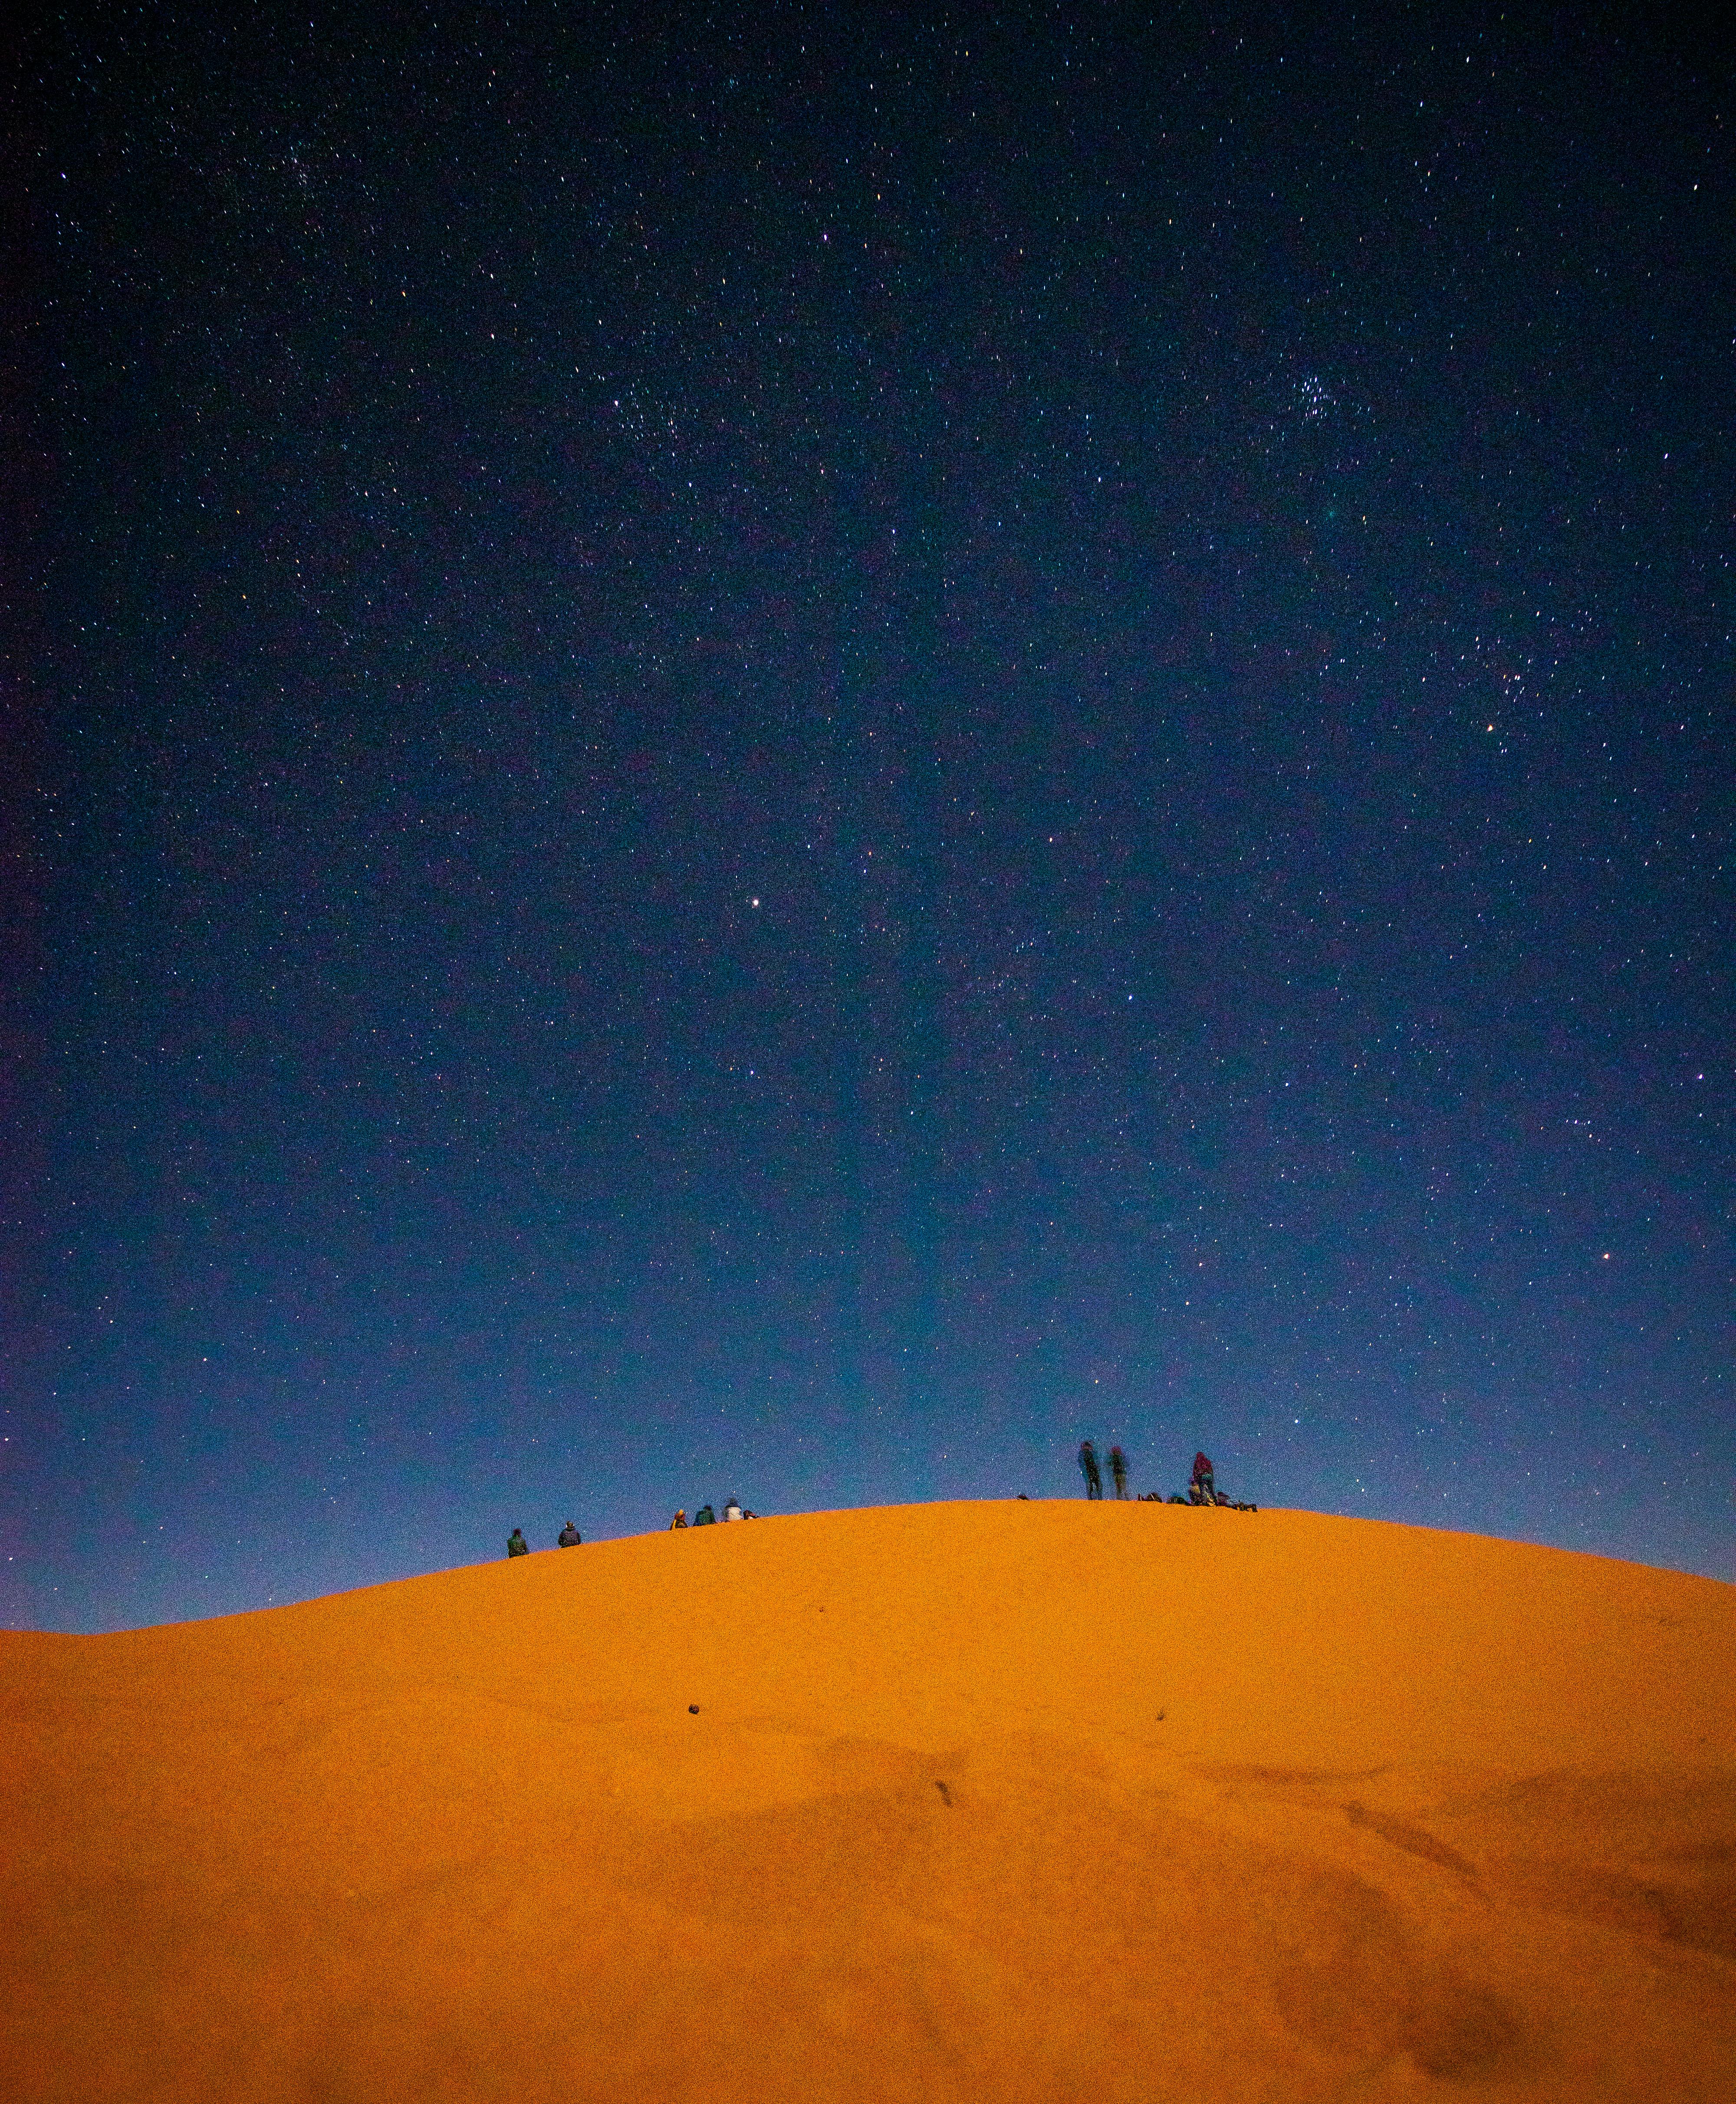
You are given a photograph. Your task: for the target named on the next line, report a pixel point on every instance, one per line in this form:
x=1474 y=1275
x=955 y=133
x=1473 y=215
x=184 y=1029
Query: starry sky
x=793 y=751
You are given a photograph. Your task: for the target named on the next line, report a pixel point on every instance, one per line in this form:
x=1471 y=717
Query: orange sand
x=1234 y=1807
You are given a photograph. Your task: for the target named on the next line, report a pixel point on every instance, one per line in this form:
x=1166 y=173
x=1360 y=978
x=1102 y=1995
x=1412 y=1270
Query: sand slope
x=1023 y=1801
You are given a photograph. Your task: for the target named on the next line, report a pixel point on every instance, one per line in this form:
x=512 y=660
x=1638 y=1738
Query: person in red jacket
x=1203 y=1483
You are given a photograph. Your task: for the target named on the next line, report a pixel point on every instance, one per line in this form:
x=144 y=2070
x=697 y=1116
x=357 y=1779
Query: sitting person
x=732 y=1510
x=680 y=1520
x=516 y=1544
x=705 y=1517
x=568 y=1536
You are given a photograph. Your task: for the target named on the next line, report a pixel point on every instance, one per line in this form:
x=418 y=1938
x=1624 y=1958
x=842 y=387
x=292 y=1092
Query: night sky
x=785 y=752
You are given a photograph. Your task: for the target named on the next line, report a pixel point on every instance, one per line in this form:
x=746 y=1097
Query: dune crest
x=1034 y=1801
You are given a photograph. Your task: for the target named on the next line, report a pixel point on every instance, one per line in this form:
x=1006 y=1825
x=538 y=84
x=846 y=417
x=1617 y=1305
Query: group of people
x=569 y=1537
x=1094 y=1473
x=1203 y=1488
x=705 y=1517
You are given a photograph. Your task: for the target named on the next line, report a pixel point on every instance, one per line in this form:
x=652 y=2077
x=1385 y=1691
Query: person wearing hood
x=568 y=1536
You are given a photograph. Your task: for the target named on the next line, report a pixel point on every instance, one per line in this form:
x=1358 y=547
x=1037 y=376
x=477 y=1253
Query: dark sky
x=777 y=751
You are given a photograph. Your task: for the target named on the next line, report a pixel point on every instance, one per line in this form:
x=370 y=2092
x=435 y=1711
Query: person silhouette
x=1119 y=1470
x=568 y=1536
x=516 y=1544
x=1093 y=1474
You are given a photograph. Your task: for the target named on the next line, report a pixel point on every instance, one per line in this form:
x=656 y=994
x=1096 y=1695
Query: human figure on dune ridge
x=1119 y=1470
x=516 y=1544
x=680 y=1520
x=1088 y=1464
x=568 y=1536
x=1203 y=1489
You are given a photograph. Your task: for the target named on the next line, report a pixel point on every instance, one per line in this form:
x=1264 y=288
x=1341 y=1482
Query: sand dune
x=1021 y=1801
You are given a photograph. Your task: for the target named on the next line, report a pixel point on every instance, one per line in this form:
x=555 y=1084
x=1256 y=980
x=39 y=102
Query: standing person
x=1093 y=1474
x=1203 y=1479
x=516 y=1544
x=1119 y=1470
